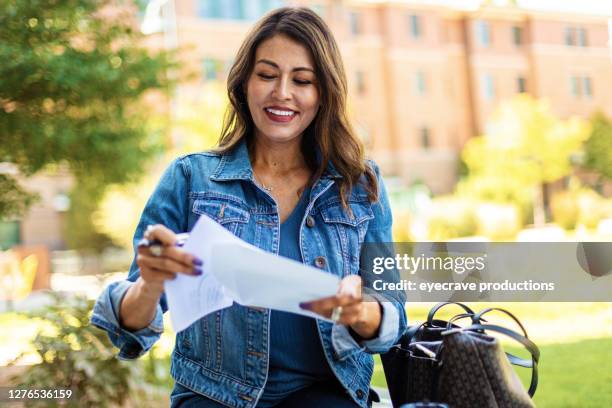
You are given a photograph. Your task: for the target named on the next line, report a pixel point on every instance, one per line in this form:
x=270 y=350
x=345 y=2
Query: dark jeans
x=328 y=394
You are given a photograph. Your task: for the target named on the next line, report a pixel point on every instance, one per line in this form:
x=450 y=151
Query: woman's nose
x=283 y=89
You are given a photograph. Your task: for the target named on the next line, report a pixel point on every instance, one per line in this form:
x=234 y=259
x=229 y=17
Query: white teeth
x=280 y=112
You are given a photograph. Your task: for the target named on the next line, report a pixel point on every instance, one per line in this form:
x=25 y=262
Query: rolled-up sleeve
x=168 y=205
x=344 y=343
x=131 y=344
x=394 y=322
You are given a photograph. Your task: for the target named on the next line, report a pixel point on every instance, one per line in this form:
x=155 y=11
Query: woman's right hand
x=154 y=270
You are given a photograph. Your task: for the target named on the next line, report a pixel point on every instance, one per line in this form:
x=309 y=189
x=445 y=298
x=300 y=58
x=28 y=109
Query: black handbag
x=463 y=367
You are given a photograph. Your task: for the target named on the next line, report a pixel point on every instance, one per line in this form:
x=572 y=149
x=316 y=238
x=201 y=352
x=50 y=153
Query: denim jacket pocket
x=225 y=210
x=350 y=230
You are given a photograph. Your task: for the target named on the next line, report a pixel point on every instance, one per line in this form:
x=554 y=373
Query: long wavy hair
x=330 y=133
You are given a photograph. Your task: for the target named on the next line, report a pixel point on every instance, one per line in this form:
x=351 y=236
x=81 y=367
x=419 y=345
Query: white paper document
x=254 y=277
x=234 y=270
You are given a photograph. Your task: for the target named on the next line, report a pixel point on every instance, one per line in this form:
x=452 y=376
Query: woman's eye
x=266 y=76
x=302 y=81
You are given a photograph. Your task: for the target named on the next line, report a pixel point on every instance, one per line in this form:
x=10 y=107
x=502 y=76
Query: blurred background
x=491 y=120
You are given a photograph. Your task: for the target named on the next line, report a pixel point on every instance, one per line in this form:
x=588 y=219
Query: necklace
x=261 y=184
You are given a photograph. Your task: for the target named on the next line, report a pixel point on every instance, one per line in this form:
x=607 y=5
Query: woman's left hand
x=363 y=315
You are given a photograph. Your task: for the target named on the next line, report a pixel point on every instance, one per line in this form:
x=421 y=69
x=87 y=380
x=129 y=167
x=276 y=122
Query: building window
x=581 y=86
x=517 y=35
x=360 y=82
x=587 y=87
x=576 y=36
x=420 y=84
x=355 y=22
x=253 y=9
x=581 y=36
x=226 y=10
x=210 y=69
x=488 y=87
x=570 y=36
x=208 y=9
x=483 y=33
x=574 y=86
x=425 y=137
x=521 y=84
x=10 y=234
x=235 y=9
x=319 y=9
x=415 y=26
x=266 y=5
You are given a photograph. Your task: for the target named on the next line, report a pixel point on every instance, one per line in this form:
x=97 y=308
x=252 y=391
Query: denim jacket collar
x=236 y=165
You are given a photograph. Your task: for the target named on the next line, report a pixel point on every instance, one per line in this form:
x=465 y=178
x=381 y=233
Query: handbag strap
x=478 y=317
x=528 y=344
x=437 y=307
x=449 y=324
x=410 y=333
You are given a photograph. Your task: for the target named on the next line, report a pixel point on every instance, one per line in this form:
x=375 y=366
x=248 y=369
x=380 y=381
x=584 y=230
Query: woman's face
x=282 y=90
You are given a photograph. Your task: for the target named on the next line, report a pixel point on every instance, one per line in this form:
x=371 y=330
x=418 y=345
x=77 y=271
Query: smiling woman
x=288 y=176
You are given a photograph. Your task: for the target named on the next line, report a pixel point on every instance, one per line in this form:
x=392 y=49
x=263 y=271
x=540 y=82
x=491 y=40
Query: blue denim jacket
x=225 y=355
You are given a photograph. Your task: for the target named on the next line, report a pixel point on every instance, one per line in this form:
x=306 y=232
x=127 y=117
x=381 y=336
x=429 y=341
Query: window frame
x=483 y=33
x=415 y=26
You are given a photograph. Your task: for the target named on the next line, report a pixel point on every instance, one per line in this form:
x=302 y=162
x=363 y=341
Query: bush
x=579 y=206
x=498 y=221
x=451 y=217
x=401 y=226
x=78 y=356
x=564 y=209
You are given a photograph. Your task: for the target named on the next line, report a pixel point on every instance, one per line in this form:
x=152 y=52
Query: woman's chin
x=277 y=137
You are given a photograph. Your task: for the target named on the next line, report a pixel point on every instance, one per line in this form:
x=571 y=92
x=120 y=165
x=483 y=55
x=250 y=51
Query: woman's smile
x=280 y=115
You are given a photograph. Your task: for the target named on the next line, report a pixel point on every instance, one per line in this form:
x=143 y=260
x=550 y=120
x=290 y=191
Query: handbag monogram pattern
x=462 y=367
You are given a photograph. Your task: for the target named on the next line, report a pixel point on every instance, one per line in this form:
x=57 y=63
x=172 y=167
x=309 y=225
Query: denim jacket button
x=359 y=394
x=320 y=262
x=310 y=221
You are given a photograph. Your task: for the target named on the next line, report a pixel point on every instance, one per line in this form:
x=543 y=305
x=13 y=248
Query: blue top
x=297 y=359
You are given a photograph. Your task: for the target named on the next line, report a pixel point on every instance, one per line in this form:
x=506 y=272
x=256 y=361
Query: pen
x=155 y=245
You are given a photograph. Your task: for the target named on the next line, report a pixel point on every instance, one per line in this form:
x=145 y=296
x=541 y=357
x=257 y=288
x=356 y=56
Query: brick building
x=424 y=78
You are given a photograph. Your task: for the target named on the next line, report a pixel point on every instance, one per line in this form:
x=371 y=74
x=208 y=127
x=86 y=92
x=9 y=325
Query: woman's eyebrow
x=275 y=65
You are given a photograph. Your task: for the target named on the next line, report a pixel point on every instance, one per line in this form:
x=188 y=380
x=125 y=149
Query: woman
x=289 y=177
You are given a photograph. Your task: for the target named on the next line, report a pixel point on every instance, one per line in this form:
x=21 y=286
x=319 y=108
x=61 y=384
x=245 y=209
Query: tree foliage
x=598 y=147
x=525 y=146
x=72 y=79
x=197 y=127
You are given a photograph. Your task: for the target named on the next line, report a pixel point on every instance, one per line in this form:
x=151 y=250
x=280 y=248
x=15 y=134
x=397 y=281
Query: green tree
x=525 y=147
x=598 y=147
x=72 y=81
x=196 y=127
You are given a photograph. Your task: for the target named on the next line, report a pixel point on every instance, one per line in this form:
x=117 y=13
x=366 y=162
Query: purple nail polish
x=197 y=271
x=305 y=305
x=197 y=261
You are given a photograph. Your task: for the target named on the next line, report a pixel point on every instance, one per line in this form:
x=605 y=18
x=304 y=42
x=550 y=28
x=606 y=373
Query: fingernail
x=197 y=261
x=197 y=271
x=305 y=305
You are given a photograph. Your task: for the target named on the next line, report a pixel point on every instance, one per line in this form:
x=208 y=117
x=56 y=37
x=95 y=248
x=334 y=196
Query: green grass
x=575 y=370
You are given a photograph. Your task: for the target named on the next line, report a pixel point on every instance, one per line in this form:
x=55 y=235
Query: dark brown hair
x=330 y=131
